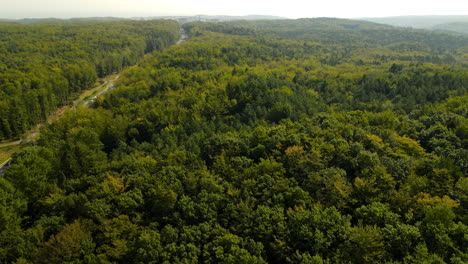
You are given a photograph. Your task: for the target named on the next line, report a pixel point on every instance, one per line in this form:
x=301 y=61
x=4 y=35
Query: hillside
x=29 y=21
x=351 y=38
x=426 y=22
x=43 y=66
x=456 y=27
x=285 y=141
x=351 y=32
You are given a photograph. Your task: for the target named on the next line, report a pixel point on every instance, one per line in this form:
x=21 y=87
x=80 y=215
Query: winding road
x=88 y=103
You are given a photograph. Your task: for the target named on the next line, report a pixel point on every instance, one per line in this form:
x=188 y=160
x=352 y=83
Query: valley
x=314 y=140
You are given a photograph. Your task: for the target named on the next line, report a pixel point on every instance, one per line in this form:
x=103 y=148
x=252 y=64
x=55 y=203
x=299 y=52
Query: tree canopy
x=254 y=143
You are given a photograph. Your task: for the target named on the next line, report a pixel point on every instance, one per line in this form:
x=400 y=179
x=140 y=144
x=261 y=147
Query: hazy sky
x=288 y=8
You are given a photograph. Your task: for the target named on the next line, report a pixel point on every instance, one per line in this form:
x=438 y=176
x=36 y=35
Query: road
x=183 y=37
x=32 y=135
x=109 y=86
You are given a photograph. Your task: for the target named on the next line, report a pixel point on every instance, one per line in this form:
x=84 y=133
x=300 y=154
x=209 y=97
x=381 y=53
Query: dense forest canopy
x=44 y=66
x=305 y=141
x=348 y=38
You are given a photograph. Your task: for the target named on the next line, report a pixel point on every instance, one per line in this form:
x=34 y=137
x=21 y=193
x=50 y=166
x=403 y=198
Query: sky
x=291 y=8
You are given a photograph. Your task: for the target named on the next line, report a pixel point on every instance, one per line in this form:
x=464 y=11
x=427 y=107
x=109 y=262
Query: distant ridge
x=455 y=27
x=425 y=22
x=27 y=21
x=213 y=18
x=206 y=18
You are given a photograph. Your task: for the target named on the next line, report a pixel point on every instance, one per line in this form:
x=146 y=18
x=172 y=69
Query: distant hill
x=182 y=19
x=28 y=21
x=248 y=17
x=457 y=27
x=218 y=18
x=426 y=22
x=96 y=19
x=355 y=33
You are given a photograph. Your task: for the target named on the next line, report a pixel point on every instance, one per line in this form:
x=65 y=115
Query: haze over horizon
x=294 y=9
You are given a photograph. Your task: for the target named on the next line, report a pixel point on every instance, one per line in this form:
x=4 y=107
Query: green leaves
x=32 y=172
x=240 y=147
x=366 y=245
x=68 y=245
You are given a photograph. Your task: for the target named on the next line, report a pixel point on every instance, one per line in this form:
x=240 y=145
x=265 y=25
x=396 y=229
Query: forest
x=45 y=66
x=293 y=141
